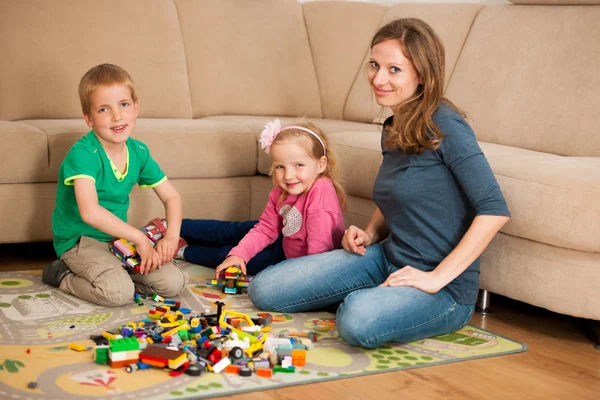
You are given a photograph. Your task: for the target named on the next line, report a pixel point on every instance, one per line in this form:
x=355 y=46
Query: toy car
x=234 y=282
x=232 y=276
x=125 y=251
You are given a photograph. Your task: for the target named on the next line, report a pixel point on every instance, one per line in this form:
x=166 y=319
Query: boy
x=92 y=200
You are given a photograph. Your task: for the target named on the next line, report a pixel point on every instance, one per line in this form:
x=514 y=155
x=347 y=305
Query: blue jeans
x=211 y=240
x=369 y=316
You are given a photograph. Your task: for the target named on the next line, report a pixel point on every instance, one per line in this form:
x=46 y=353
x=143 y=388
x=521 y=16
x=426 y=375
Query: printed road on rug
x=38 y=322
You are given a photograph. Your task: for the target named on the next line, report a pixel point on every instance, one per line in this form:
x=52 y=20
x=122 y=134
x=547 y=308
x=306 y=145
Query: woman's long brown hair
x=413 y=129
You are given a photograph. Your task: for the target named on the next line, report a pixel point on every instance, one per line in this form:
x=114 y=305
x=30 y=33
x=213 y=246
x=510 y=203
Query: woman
x=439 y=206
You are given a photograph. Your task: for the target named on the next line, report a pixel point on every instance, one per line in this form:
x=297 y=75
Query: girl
x=438 y=206
x=304 y=213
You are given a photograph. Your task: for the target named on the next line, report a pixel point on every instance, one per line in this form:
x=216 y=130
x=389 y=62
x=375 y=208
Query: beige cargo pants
x=100 y=277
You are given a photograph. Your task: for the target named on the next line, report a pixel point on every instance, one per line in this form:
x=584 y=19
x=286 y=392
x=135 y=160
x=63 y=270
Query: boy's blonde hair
x=315 y=151
x=102 y=75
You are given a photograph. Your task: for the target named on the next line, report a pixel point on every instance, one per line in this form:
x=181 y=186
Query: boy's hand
x=149 y=257
x=230 y=262
x=166 y=248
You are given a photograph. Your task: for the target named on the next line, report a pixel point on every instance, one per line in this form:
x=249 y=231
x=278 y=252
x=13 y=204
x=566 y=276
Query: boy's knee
x=173 y=284
x=118 y=295
x=124 y=297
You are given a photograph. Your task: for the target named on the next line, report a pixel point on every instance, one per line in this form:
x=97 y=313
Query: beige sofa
x=211 y=73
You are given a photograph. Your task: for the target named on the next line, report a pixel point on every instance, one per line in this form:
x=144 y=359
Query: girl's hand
x=428 y=282
x=356 y=240
x=166 y=248
x=148 y=256
x=230 y=262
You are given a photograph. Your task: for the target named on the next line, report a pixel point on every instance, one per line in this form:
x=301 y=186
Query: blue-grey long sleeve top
x=429 y=200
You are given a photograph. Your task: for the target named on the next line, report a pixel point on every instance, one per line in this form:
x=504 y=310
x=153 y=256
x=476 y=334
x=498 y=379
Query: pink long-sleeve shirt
x=311 y=223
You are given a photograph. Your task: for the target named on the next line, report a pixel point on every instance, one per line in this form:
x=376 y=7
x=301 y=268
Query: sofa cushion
x=47 y=46
x=26 y=212
x=528 y=78
x=183 y=148
x=339 y=46
x=27 y=207
x=451 y=22
x=256 y=124
x=552 y=199
x=225 y=199
x=248 y=59
x=555 y=2
x=23 y=154
x=360 y=156
x=559 y=279
x=534 y=184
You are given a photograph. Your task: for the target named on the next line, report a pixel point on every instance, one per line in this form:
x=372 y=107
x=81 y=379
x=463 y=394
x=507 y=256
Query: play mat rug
x=38 y=322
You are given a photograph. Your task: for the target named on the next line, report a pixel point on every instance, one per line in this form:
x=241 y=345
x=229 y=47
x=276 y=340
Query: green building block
x=184 y=335
x=206 y=333
x=286 y=370
x=101 y=356
x=125 y=344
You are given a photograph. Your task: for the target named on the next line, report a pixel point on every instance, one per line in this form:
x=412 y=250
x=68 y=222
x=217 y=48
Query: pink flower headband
x=273 y=128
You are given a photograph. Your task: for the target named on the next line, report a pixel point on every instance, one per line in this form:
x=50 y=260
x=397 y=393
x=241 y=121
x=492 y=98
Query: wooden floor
x=561 y=362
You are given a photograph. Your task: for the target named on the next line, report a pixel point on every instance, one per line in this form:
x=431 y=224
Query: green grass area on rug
x=39 y=322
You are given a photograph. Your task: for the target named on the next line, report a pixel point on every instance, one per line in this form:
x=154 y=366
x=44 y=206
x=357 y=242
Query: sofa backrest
x=47 y=46
x=340 y=34
x=192 y=58
x=526 y=74
x=250 y=58
x=528 y=77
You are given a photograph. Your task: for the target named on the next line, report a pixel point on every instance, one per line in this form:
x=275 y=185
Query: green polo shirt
x=88 y=160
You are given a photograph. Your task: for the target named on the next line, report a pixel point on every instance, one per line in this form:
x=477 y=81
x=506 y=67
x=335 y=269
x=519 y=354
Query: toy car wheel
x=236 y=353
x=194 y=370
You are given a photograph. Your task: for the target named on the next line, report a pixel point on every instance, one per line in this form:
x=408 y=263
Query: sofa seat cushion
x=552 y=199
x=257 y=123
x=183 y=148
x=227 y=199
x=23 y=154
x=26 y=212
x=536 y=185
x=559 y=279
x=359 y=154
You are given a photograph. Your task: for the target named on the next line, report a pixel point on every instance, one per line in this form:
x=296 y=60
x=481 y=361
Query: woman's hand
x=150 y=259
x=428 y=282
x=230 y=262
x=166 y=248
x=356 y=240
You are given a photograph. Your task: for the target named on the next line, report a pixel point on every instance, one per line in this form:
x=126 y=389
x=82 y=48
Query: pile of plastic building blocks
x=170 y=337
